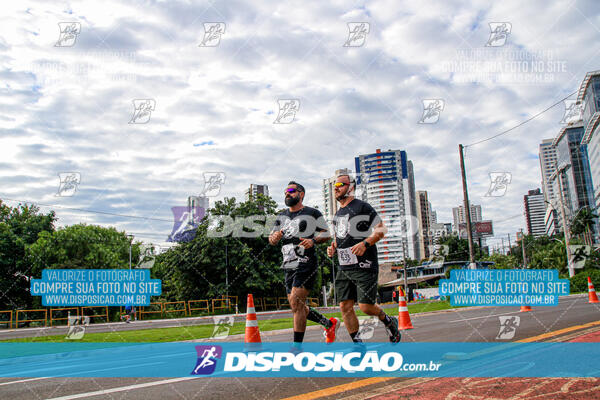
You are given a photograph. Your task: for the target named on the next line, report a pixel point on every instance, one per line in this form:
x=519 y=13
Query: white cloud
x=67 y=109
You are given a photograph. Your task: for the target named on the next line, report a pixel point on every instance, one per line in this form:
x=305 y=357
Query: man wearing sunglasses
x=300 y=228
x=357 y=229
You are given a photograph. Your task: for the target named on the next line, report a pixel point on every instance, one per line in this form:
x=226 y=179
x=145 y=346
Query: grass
x=205 y=331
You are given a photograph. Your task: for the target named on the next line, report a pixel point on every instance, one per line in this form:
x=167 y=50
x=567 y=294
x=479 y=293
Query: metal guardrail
x=143 y=310
x=45 y=319
x=223 y=304
x=174 y=310
x=205 y=308
x=67 y=309
x=162 y=308
x=270 y=302
x=312 y=301
x=10 y=318
x=94 y=315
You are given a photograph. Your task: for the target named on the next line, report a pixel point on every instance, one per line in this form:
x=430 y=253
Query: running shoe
x=393 y=331
x=330 y=332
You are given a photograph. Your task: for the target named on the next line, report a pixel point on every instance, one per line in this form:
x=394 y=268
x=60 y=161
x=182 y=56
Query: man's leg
x=346 y=292
x=366 y=282
x=349 y=316
x=297 y=299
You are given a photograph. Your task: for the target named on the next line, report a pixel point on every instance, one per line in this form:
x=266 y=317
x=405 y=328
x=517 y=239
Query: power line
x=522 y=123
x=86 y=210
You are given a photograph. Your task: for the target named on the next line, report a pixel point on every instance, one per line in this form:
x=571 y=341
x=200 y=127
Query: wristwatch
x=367 y=244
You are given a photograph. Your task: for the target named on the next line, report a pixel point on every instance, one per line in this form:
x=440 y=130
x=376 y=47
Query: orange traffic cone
x=403 y=316
x=525 y=308
x=593 y=298
x=252 y=331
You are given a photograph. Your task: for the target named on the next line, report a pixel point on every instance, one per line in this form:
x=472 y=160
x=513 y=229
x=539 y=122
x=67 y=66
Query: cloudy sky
x=68 y=98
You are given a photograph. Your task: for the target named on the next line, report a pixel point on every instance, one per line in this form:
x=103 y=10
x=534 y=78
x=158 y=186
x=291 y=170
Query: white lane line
x=484 y=316
x=23 y=380
x=495 y=315
x=122 y=388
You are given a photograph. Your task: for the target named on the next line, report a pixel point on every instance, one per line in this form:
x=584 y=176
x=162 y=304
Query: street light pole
x=564 y=220
x=130 y=237
x=226 y=275
x=467 y=207
x=523 y=249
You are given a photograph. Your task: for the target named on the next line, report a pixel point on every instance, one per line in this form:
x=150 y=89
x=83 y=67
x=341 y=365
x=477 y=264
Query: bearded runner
x=299 y=228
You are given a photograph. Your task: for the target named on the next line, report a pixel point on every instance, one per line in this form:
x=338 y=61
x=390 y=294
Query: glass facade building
x=387 y=182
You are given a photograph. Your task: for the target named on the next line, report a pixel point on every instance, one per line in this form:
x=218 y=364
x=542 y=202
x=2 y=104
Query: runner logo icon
x=207 y=359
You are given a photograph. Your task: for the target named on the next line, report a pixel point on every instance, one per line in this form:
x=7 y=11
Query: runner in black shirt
x=299 y=228
x=357 y=229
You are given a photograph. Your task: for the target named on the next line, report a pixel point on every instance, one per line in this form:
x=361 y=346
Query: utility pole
x=564 y=220
x=130 y=237
x=333 y=275
x=405 y=278
x=467 y=207
x=509 y=244
x=523 y=249
x=226 y=276
x=502 y=245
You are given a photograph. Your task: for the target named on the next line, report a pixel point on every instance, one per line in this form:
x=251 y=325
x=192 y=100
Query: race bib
x=345 y=257
x=289 y=253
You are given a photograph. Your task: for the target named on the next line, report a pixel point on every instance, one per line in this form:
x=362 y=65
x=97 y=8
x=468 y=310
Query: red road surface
x=503 y=388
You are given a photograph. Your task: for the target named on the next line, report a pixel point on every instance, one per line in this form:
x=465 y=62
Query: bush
x=579 y=282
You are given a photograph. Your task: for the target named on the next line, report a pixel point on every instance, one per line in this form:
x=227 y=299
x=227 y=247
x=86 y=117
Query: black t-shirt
x=353 y=224
x=305 y=223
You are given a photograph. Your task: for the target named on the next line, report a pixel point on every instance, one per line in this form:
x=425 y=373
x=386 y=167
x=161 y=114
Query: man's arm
x=275 y=237
x=378 y=233
x=276 y=233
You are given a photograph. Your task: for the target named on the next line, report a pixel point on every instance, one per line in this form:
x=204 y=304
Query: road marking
x=558 y=332
x=483 y=316
x=122 y=388
x=330 y=391
x=388 y=388
x=22 y=380
x=371 y=381
x=495 y=315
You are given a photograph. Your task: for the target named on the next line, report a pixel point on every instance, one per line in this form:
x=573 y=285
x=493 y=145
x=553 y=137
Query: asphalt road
x=462 y=325
x=7 y=334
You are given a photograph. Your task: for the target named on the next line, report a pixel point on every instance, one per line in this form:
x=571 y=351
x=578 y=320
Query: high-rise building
x=551 y=221
x=459 y=215
x=424 y=217
x=433 y=215
x=547 y=161
x=254 y=190
x=535 y=211
x=198 y=201
x=330 y=204
x=589 y=98
x=574 y=170
x=387 y=182
x=197 y=208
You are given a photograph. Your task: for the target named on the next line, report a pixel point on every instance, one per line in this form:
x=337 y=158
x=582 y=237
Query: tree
x=197 y=269
x=81 y=246
x=19 y=227
x=583 y=225
x=458 y=249
x=503 y=261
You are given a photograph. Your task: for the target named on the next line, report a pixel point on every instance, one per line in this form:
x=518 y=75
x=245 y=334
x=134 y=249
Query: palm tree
x=583 y=225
